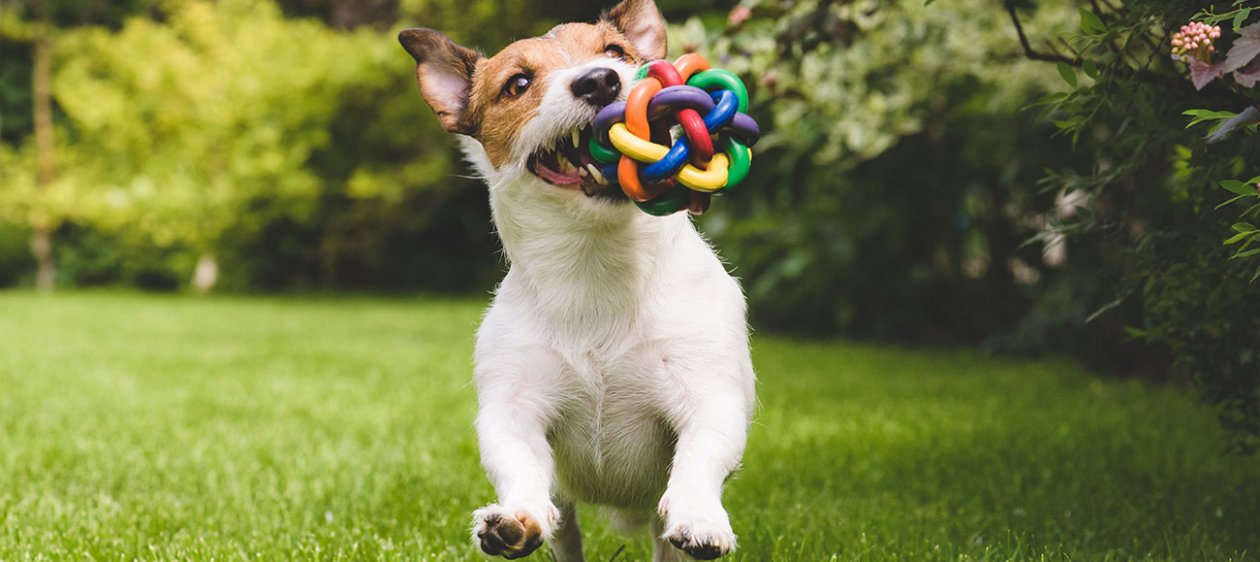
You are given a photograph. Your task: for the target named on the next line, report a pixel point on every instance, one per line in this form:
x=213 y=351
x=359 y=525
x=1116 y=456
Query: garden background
x=1023 y=181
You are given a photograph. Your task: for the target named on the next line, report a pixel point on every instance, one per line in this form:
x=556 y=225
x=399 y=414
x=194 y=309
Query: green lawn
x=173 y=428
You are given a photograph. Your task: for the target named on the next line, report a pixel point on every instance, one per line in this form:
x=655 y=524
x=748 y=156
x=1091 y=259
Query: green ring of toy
x=601 y=153
x=667 y=203
x=721 y=79
x=741 y=162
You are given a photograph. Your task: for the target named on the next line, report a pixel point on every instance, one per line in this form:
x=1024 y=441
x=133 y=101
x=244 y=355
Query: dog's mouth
x=567 y=164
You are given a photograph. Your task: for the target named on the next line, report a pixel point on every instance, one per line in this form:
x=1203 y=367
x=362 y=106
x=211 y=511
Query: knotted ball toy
x=662 y=175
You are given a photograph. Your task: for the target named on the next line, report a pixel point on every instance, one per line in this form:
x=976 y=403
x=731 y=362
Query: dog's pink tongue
x=557 y=177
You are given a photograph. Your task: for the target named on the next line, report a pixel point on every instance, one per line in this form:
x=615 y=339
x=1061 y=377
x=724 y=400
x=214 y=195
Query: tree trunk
x=45 y=267
x=206 y=274
x=46 y=172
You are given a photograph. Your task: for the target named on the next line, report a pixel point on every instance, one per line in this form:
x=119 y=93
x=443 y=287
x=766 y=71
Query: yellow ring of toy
x=709 y=180
x=635 y=147
x=641 y=150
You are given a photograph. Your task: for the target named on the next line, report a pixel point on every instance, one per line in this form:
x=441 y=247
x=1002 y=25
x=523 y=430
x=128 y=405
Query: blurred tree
x=37 y=31
x=181 y=127
x=35 y=24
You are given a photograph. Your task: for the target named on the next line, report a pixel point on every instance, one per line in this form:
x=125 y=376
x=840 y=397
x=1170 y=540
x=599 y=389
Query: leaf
x=1237 y=238
x=1067 y=73
x=1240 y=188
x=1247 y=117
x=1245 y=254
x=1052 y=98
x=1090 y=22
x=1247 y=76
x=1255 y=276
x=1229 y=202
x=1236 y=186
x=1105 y=309
x=1241 y=17
x=1243 y=227
x=1246 y=48
x=1202 y=73
x=1090 y=68
x=1201 y=115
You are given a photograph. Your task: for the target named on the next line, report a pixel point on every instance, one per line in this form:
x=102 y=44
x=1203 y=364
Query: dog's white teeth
x=582 y=172
x=577 y=137
x=594 y=171
x=566 y=167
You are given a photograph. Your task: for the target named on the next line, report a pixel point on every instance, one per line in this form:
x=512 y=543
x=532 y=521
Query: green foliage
x=341 y=429
x=185 y=142
x=842 y=82
x=1154 y=195
x=879 y=201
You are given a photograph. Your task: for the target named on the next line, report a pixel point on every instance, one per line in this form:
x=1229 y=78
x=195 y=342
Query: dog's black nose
x=598 y=87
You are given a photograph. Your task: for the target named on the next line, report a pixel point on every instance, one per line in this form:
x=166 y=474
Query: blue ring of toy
x=673 y=161
x=610 y=172
x=724 y=111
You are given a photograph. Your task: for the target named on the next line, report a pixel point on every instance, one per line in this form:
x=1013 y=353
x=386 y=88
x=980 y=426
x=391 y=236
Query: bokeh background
x=926 y=179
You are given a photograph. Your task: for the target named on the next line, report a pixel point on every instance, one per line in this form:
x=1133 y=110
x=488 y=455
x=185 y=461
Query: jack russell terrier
x=613 y=366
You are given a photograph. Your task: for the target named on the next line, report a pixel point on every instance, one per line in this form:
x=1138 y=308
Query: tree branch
x=1029 y=52
x=1097 y=11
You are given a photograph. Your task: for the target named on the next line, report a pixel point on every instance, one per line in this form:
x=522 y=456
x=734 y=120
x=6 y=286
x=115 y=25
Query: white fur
x=613 y=365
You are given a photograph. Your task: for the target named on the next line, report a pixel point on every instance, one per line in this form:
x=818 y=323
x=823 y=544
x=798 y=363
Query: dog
x=613 y=365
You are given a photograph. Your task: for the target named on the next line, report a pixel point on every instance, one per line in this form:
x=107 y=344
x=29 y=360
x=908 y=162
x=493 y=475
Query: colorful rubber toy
x=634 y=142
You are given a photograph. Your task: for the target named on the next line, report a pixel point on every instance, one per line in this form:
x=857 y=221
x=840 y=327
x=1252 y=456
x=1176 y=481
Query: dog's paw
x=702 y=534
x=702 y=542
x=500 y=532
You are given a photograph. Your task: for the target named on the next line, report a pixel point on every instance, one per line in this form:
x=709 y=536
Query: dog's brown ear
x=642 y=24
x=444 y=71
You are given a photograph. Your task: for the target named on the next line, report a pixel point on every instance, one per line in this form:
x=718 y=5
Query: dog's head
x=530 y=106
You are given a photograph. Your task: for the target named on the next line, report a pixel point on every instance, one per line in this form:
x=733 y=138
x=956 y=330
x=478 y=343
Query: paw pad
x=510 y=537
x=700 y=548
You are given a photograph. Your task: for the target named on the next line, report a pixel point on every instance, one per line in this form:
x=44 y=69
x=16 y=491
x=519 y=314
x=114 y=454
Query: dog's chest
x=610 y=441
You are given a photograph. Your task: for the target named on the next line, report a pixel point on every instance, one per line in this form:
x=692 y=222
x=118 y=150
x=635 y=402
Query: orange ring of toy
x=689 y=64
x=636 y=107
x=637 y=123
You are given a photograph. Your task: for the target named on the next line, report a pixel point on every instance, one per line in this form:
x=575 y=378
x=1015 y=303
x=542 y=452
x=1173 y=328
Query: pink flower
x=1194 y=41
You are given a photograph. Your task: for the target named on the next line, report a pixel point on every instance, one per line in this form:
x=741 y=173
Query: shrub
x=1165 y=196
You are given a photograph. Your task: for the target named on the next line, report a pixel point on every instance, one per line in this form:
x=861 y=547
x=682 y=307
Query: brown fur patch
x=497 y=117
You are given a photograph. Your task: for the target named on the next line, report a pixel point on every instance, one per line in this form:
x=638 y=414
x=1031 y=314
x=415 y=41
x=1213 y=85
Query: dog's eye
x=516 y=85
x=615 y=52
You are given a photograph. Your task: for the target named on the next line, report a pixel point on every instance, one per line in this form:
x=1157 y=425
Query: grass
x=168 y=428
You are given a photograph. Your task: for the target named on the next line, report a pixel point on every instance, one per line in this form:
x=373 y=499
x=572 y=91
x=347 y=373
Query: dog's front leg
x=512 y=432
x=710 y=416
